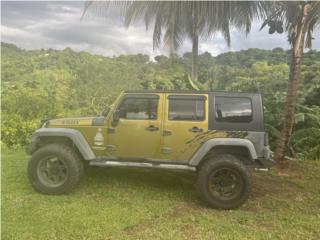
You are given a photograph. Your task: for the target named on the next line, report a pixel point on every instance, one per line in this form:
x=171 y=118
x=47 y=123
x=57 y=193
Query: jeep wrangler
x=217 y=135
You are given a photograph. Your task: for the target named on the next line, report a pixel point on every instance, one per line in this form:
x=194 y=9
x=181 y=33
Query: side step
x=109 y=163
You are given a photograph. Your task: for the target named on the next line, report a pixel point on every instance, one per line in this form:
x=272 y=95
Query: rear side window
x=233 y=109
x=187 y=108
x=139 y=108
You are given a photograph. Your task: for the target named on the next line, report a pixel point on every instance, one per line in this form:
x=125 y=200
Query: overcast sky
x=57 y=25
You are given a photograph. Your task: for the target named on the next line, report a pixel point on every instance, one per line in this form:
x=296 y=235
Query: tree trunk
x=195 y=45
x=292 y=92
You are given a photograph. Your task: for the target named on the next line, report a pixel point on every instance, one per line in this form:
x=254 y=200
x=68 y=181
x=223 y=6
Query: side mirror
x=115 y=118
x=105 y=112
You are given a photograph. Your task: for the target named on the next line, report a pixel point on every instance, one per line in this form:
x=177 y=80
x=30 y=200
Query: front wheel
x=224 y=182
x=55 y=169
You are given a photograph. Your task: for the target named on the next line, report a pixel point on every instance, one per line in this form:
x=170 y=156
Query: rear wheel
x=55 y=169
x=224 y=182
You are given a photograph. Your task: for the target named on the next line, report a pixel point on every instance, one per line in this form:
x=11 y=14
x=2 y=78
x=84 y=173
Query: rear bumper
x=266 y=160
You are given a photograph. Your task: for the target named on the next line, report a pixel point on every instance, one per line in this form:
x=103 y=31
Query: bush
x=16 y=131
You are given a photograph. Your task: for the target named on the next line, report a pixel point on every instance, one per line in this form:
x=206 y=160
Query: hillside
x=38 y=84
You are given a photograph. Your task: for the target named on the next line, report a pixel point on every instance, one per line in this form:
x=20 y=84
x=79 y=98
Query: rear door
x=185 y=120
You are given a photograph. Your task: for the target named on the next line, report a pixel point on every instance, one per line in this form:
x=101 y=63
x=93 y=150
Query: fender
x=208 y=145
x=74 y=135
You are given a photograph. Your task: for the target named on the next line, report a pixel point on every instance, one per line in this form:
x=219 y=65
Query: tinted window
x=233 y=109
x=139 y=108
x=187 y=108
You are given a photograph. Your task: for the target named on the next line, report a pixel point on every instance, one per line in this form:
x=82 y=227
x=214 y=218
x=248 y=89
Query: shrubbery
x=16 y=131
x=49 y=84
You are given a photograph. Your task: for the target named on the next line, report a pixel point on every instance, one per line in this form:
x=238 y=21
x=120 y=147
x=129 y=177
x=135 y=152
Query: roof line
x=185 y=91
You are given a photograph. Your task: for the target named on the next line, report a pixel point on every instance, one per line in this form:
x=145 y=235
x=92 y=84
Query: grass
x=148 y=204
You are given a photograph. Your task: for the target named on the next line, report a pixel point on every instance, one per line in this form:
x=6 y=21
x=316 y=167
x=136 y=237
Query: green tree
x=300 y=19
x=186 y=19
x=192 y=19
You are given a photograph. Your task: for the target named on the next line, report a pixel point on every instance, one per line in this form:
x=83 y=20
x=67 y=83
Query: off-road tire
x=70 y=158
x=224 y=161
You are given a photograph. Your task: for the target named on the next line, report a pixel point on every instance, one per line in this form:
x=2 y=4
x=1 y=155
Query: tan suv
x=217 y=135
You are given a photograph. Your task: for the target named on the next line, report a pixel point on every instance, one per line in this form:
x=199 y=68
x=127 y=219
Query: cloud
x=34 y=25
x=57 y=25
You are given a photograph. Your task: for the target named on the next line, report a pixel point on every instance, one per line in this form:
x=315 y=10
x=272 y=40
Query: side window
x=139 y=108
x=187 y=108
x=233 y=109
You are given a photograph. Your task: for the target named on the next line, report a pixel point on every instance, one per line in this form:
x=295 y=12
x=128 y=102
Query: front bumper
x=30 y=148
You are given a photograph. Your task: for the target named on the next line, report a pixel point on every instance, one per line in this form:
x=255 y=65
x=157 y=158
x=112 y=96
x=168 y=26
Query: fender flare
x=74 y=135
x=208 y=145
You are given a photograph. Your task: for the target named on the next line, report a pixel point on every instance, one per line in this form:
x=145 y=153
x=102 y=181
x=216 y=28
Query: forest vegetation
x=40 y=84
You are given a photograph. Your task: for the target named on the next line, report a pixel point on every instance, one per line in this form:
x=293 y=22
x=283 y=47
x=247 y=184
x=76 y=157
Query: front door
x=185 y=121
x=137 y=133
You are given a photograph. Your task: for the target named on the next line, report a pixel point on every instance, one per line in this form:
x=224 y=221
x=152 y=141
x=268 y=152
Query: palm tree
x=300 y=19
x=191 y=19
x=178 y=19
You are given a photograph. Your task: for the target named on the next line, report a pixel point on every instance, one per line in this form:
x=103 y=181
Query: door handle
x=167 y=133
x=195 y=129
x=110 y=130
x=152 y=128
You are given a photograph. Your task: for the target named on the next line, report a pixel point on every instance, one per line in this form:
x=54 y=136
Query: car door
x=137 y=132
x=186 y=119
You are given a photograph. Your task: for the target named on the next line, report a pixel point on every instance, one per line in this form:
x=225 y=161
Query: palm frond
x=291 y=14
x=87 y=4
x=102 y=7
x=157 y=32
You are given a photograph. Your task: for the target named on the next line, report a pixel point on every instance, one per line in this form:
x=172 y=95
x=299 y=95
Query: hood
x=80 y=121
